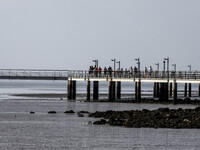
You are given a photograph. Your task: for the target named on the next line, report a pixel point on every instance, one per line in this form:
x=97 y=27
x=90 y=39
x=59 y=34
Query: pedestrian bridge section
x=33 y=74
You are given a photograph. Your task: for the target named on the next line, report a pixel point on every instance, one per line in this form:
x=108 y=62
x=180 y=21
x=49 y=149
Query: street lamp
x=163 y=65
x=119 y=64
x=190 y=67
x=157 y=64
x=114 y=60
x=96 y=62
x=174 y=65
x=167 y=59
x=138 y=62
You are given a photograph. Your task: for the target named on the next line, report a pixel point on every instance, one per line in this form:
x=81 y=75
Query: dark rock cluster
x=160 y=118
x=69 y=112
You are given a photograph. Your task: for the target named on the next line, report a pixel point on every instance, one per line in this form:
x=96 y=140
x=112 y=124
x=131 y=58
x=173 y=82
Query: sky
x=69 y=34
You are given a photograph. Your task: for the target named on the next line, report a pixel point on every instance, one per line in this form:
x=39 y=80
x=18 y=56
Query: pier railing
x=138 y=74
x=64 y=74
x=34 y=73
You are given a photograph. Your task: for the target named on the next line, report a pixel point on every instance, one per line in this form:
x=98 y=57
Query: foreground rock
x=160 y=118
x=69 y=112
x=52 y=112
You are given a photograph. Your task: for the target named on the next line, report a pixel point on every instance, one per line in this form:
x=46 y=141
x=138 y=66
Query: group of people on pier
x=95 y=71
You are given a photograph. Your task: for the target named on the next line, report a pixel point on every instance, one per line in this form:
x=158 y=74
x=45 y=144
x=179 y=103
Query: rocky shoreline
x=160 y=118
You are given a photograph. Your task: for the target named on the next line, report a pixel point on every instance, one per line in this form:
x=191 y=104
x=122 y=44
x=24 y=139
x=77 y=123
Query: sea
x=21 y=130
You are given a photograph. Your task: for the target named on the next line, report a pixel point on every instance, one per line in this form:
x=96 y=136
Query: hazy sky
x=69 y=34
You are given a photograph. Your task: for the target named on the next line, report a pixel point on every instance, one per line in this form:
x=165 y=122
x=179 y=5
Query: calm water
x=22 y=130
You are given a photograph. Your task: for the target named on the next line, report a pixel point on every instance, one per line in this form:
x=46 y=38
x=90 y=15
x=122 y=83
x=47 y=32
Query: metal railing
x=137 y=74
x=99 y=74
x=32 y=73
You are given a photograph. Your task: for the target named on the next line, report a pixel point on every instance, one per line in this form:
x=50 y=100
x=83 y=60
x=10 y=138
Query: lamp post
x=114 y=60
x=174 y=65
x=157 y=64
x=96 y=62
x=190 y=67
x=167 y=59
x=138 y=62
x=163 y=65
x=119 y=64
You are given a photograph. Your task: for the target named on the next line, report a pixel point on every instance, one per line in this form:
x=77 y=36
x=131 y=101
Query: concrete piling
x=111 y=90
x=157 y=91
x=95 y=90
x=154 y=89
x=166 y=92
x=174 y=91
x=161 y=91
x=170 y=89
x=185 y=89
x=88 y=90
x=138 y=91
x=190 y=90
x=69 y=90
x=73 y=90
x=118 y=90
x=199 y=89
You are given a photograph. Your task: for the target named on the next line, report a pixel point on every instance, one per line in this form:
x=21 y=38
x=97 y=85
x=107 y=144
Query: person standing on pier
x=105 y=71
x=145 y=72
x=99 y=70
x=150 y=71
x=131 y=72
x=135 y=71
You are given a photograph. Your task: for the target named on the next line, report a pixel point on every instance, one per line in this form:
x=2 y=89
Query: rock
x=102 y=121
x=89 y=122
x=80 y=115
x=83 y=112
x=71 y=111
x=160 y=118
x=52 y=112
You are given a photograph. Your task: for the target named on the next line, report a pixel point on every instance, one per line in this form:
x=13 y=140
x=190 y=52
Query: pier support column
x=166 y=91
x=185 y=89
x=111 y=89
x=69 y=90
x=118 y=90
x=170 y=89
x=199 y=89
x=157 y=91
x=95 y=90
x=74 y=90
x=154 y=89
x=138 y=91
x=161 y=91
x=88 y=90
x=174 y=91
x=190 y=90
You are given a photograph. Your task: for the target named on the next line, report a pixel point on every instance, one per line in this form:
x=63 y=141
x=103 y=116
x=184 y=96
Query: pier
x=164 y=82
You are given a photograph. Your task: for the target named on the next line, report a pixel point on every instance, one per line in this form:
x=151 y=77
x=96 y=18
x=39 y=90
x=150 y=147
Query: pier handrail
x=139 y=74
x=99 y=74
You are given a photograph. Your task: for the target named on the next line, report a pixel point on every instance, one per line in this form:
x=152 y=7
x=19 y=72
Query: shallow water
x=22 y=130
